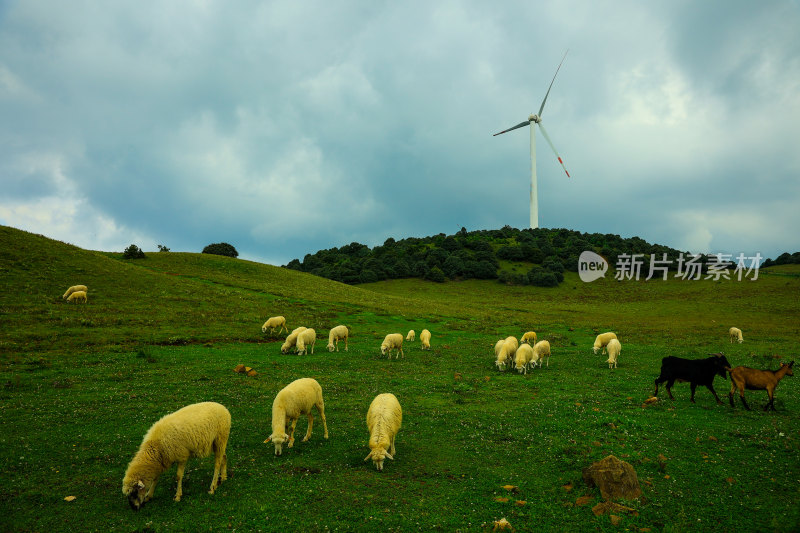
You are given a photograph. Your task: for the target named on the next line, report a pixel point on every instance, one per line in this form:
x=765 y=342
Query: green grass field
x=81 y=384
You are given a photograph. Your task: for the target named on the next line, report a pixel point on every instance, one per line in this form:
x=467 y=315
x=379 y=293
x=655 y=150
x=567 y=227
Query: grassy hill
x=83 y=383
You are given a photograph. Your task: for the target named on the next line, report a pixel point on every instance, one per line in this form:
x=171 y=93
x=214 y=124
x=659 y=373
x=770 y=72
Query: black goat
x=695 y=371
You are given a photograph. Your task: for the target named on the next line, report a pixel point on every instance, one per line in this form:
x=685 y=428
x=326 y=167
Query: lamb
x=613 y=348
x=295 y=399
x=743 y=378
x=384 y=419
x=392 y=341
x=505 y=352
x=77 y=296
x=526 y=338
x=306 y=337
x=193 y=431
x=291 y=339
x=336 y=334
x=736 y=335
x=75 y=288
x=541 y=352
x=525 y=357
x=275 y=322
x=411 y=335
x=602 y=340
x=425 y=339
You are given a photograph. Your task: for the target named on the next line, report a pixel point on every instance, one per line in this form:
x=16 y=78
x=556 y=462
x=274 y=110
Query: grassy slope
x=81 y=385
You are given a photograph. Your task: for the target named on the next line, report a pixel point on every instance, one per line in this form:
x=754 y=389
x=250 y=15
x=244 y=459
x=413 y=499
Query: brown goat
x=743 y=378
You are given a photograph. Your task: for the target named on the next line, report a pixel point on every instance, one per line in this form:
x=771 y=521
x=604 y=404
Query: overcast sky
x=287 y=127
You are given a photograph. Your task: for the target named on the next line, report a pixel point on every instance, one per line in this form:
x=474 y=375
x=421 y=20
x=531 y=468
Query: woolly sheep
x=499 y=362
x=736 y=335
x=194 y=431
x=384 y=419
x=306 y=337
x=506 y=352
x=411 y=335
x=75 y=288
x=336 y=334
x=613 y=348
x=541 y=351
x=275 y=322
x=425 y=339
x=294 y=400
x=392 y=341
x=291 y=339
x=529 y=337
x=602 y=340
x=525 y=357
x=77 y=296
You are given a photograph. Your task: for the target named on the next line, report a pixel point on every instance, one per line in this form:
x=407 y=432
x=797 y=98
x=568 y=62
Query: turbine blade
x=551 y=83
x=515 y=127
x=547 y=138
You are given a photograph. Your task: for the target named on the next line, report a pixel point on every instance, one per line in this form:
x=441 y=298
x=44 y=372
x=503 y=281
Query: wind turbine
x=537 y=119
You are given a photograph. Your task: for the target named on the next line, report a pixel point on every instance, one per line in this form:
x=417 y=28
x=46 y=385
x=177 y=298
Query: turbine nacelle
x=534 y=118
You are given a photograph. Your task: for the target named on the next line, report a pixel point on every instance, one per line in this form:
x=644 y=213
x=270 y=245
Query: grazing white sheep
x=336 y=334
x=306 y=337
x=602 y=340
x=506 y=352
x=525 y=357
x=194 y=431
x=736 y=335
x=425 y=339
x=541 y=352
x=529 y=337
x=291 y=339
x=411 y=335
x=75 y=288
x=384 y=419
x=77 y=296
x=392 y=341
x=294 y=400
x=275 y=322
x=613 y=347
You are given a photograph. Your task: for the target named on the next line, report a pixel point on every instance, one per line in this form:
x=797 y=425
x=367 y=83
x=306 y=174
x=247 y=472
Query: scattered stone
x=616 y=479
x=511 y=488
x=502 y=524
x=239 y=369
x=252 y=373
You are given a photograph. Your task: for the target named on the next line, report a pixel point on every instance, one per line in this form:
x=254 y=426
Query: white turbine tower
x=537 y=119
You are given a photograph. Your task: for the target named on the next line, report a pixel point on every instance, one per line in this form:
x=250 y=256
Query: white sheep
x=425 y=339
x=602 y=340
x=392 y=341
x=541 y=352
x=736 y=335
x=306 y=337
x=411 y=335
x=77 y=296
x=336 y=334
x=291 y=339
x=384 y=419
x=194 y=431
x=613 y=347
x=505 y=352
x=275 y=322
x=525 y=357
x=529 y=337
x=75 y=288
x=294 y=400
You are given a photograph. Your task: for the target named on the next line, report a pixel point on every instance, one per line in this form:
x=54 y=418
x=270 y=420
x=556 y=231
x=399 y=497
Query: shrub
x=221 y=248
x=435 y=274
x=133 y=252
x=162 y=248
x=539 y=277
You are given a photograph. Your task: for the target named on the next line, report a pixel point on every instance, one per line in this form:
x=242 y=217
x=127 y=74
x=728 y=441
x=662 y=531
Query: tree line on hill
x=522 y=257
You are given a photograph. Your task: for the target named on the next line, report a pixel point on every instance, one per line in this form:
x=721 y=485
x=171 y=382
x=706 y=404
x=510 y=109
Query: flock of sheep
x=199 y=429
